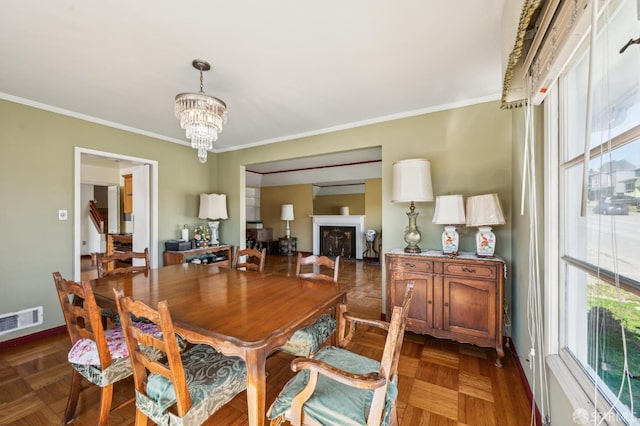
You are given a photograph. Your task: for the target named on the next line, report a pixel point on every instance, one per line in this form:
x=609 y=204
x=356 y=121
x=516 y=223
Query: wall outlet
x=62 y=215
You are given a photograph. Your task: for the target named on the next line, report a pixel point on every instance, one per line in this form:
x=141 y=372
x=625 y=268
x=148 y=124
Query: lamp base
x=213 y=226
x=485 y=242
x=450 y=240
x=412 y=236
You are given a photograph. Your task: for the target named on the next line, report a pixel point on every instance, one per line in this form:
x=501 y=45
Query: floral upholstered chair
x=189 y=387
x=307 y=340
x=100 y=356
x=339 y=387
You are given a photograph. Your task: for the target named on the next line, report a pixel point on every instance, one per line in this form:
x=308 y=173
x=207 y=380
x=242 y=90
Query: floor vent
x=19 y=320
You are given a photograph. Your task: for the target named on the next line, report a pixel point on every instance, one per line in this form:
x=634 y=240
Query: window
x=599 y=252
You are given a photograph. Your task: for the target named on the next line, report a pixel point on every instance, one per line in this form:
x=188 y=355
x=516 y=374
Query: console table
x=176 y=257
x=458 y=298
x=288 y=246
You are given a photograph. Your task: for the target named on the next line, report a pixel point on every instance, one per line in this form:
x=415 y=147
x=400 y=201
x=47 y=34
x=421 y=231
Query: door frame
x=77 y=208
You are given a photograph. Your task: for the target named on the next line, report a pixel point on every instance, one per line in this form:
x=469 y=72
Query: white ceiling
x=284 y=68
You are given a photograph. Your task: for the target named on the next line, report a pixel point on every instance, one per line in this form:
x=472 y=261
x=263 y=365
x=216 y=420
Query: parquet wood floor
x=440 y=382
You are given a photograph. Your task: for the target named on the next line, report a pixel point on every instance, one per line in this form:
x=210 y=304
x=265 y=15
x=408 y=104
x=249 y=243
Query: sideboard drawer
x=470 y=270
x=411 y=265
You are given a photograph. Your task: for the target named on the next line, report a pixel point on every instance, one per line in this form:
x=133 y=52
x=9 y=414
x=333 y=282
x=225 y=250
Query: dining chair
x=339 y=387
x=318 y=267
x=189 y=387
x=100 y=356
x=103 y=262
x=254 y=260
x=307 y=340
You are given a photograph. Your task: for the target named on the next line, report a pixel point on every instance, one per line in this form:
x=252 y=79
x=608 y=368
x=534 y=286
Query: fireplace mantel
x=356 y=221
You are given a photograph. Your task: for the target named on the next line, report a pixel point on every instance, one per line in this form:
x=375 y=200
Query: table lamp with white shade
x=484 y=211
x=286 y=213
x=213 y=207
x=449 y=212
x=412 y=184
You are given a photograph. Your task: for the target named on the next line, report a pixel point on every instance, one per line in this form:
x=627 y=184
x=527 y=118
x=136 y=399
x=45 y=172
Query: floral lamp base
x=450 y=240
x=485 y=242
x=214 y=226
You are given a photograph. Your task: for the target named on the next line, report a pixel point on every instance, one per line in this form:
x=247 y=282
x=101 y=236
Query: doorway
x=147 y=205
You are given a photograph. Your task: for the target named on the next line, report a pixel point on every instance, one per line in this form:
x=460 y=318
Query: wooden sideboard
x=184 y=256
x=457 y=298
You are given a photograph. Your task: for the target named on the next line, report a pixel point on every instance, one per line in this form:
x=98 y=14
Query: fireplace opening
x=338 y=241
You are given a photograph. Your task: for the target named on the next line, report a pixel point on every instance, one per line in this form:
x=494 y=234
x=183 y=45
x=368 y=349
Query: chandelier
x=202 y=116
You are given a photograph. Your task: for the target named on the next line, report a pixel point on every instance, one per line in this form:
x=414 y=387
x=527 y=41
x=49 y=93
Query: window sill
x=574 y=391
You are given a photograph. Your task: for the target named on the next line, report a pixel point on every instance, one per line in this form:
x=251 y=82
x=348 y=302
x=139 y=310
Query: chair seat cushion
x=333 y=403
x=119 y=369
x=85 y=351
x=307 y=340
x=213 y=380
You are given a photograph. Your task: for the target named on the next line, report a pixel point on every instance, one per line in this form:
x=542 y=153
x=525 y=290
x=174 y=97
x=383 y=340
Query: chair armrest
x=374 y=323
x=362 y=381
x=345 y=334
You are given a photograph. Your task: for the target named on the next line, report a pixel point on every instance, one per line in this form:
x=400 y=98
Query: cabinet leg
x=500 y=355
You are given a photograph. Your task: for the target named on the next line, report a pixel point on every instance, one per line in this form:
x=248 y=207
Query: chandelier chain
x=201 y=82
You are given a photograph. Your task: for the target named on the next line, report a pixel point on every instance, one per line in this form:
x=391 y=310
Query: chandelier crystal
x=201 y=115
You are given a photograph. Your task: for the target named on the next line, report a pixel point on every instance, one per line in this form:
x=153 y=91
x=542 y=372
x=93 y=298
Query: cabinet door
x=128 y=193
x=421 y=310
x=470 y=307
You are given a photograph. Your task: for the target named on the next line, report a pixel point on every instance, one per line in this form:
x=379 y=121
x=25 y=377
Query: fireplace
x=351 y=226
x=338 y=241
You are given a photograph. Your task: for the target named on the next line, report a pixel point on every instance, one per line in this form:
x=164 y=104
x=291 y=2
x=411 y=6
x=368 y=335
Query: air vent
x=18 y=320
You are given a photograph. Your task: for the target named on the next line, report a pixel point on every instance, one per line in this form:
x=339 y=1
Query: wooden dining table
x=240 y=313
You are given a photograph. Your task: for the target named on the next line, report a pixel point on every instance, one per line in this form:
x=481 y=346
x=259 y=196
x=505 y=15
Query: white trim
x=89 y=118
x=551 y=222
x=413 y=113
x=153 y=202
x=437 y=108
x=338 y=220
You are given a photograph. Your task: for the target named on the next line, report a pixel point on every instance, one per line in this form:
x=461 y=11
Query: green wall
x=560 y=409
x=331 y=204
x=469 y=149
x=36 y=179
x=470 y=153
x=373 y=204
x=301 y=196
x=473 y=150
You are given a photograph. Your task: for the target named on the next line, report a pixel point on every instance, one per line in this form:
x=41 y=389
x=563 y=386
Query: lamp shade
x=449 y=210
x=484 y=210
x=412 y=181
x=213 y=206
x=286 y=212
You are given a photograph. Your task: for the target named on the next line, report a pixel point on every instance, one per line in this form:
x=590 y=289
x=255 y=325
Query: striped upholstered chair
x=339 y=387
x=189 y=387
x=307 y=340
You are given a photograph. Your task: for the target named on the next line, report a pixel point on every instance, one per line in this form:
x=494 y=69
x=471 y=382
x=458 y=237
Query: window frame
x=576 y=382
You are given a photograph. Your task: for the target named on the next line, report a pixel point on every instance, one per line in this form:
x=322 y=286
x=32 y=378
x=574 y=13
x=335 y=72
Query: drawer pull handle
x=410 y=265
x=428 y=302
x=446 y=304
x=471 y=271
